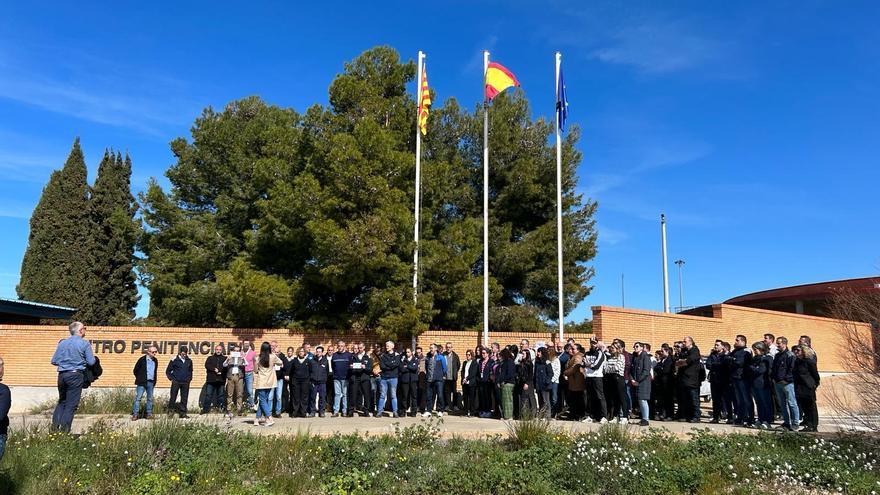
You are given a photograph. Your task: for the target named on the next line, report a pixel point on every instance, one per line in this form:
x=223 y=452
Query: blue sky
x=753 y=125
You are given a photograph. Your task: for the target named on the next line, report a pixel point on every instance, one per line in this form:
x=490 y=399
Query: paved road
x=450 y=426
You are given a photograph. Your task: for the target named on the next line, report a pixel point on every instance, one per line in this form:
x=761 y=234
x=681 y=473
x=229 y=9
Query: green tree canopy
x=276 y=217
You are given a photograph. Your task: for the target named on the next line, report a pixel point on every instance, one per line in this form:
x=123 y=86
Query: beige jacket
x=265 y=377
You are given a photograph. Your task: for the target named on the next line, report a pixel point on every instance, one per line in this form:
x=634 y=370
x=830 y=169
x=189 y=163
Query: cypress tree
x=112 y=293
x=55 y=268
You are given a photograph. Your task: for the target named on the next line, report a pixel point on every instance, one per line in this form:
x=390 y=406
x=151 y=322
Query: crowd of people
x=750 y=385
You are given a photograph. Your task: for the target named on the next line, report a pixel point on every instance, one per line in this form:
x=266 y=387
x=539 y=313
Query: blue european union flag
x=561 y=102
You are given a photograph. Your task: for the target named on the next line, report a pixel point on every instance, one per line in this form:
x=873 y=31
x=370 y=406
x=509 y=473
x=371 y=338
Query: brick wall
x=27 y=349
x=655 y=328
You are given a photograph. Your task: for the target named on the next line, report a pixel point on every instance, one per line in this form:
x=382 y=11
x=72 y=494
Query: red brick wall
x=27 y=349
x=655 y=328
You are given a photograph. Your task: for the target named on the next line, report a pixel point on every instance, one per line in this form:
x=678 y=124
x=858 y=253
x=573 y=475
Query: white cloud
x=658 y=46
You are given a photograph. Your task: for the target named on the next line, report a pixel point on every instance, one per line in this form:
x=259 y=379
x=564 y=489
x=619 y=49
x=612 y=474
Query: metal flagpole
x=418 y=186
x=485 y=206
x=559 y=206
x=665 y=272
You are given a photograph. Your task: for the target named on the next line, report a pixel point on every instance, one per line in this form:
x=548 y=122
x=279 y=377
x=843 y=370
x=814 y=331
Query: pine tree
x=112 y=293
x=55 y=268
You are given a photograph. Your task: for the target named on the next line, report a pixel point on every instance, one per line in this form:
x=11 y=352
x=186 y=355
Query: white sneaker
x=587 y=420
x=426 y=414
x=603 y=421
x=439 y=414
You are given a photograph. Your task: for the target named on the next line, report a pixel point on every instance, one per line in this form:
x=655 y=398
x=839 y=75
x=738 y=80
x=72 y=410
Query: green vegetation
x=171 y=457
x=276 y=217
x=113 y=401
x=80 y=250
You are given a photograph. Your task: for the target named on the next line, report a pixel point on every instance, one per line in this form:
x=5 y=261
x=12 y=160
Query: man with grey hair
x=71 y=357
x=389 y=371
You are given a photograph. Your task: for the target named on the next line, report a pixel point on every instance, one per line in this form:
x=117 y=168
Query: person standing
x=615 y=384
x=339 y=363
x=409 y=380
x=543 y=381
x=663 y=385
x=691 y=374
x=360 y=370
x=556 y=373
x=249 y=358
x=278 y=393
x=641 y=380
x=450 y=382
x=435 y=373
x=742 y=360
x=265 y=382
x=525 y=380
x=806 y=341
x=718 y=380
x=806 y=381
x=286 y=399
x=234 y=365
x=469 y=374
x=759 y=372
x=5 y=405
x=485 y=384
x=319 y=370
x=576 y=383
x=389 y=372
x=180 y=373
x=145 y=381
x=214 y=380
x=783 y=378
x=375 y=378
x=594 y=371
x=71 y=357
x=505 y=379
x=297 y=374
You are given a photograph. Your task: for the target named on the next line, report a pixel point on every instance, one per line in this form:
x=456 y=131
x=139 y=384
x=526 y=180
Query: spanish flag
x=498 y=78
x=424 y=101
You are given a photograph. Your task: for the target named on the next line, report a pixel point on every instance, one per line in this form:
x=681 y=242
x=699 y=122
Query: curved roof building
x=807 y=299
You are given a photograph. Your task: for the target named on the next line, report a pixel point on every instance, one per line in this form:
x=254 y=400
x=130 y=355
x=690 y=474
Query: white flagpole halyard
x=559 y=205
x=418 y=185
x=485 y=206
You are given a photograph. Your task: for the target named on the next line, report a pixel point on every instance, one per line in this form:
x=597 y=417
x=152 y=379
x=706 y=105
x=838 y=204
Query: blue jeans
x=764 y=402
x=791 y=414
x=627 y=398
x=69 y=394
x=643 y=409
x=387 y=386
x=374 y=386
x=745 y=408
x=249 y=388
x=435 y=389
x=554 y=397
x=135 y=408
x=340 y=396
x=263 y=409
x=277 y=393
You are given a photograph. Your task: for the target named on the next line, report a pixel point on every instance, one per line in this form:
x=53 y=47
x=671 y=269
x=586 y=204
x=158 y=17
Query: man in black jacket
x=145 y=380
x=298 y=373
x=389 y=371
x=783 y=378
x=179 y=372
x=719 y=380
x=690 y=375
x=359 y=373
x=409 y=381
x=319 y=371
x=742 y=383
x=215 y=380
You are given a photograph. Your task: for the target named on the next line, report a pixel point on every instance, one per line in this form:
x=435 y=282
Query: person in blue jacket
x=435 y=373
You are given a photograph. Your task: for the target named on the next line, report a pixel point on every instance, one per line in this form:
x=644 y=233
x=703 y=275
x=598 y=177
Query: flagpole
x=559 y=206
x=485 y=206
x=418 y=187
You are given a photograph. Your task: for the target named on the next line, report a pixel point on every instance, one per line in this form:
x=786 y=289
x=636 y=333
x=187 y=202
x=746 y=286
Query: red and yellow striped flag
x=498 y=78
x=424 y=102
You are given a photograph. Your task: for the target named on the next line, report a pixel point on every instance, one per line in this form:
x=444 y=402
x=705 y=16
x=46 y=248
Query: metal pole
x=560 y=292
x=680 y=292
x=418 y=187
x=665 y=272
x=485 y=207
x=622 y=292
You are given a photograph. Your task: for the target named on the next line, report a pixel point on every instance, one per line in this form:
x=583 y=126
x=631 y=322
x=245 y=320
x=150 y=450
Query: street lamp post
x=680 y=294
